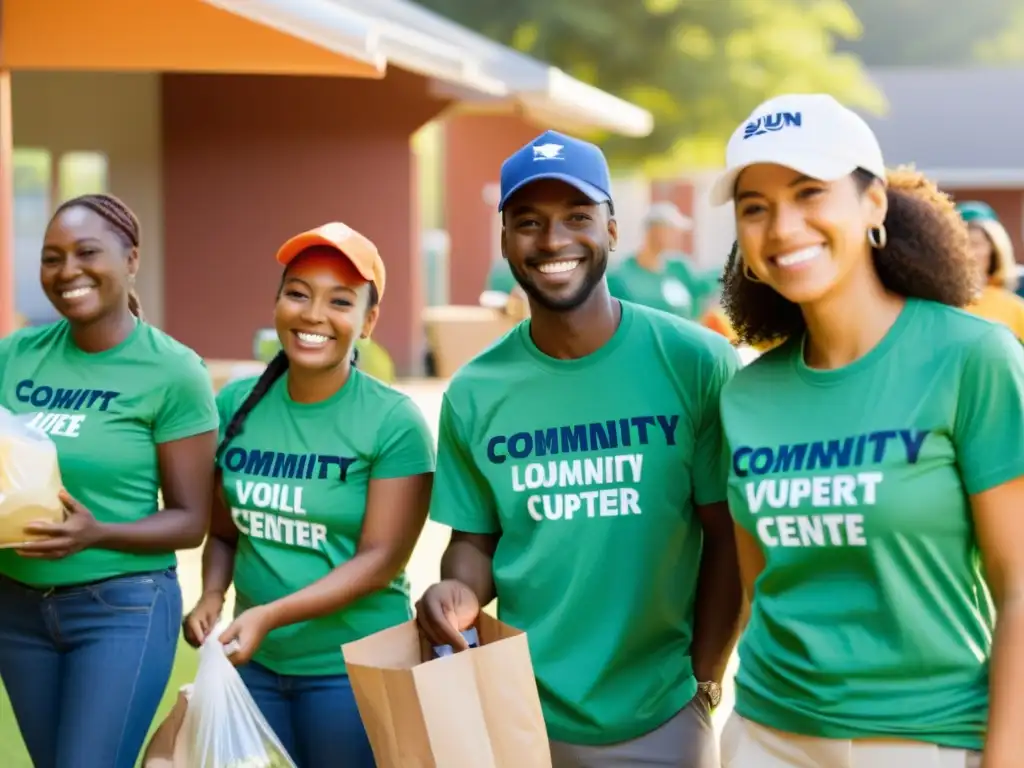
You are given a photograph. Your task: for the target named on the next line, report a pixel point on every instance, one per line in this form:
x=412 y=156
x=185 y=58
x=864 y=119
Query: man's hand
x=445 y=610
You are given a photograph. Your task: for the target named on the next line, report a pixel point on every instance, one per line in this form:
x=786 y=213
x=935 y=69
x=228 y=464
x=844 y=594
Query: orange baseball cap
x=357 y=248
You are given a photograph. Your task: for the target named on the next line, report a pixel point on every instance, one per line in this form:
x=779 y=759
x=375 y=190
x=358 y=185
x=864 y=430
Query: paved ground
x=424 y=567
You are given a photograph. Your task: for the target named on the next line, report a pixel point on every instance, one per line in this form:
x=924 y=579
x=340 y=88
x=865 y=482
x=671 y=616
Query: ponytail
x=274 y=371
x=134 y=305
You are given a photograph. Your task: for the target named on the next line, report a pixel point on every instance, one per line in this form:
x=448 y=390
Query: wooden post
x=7 y=290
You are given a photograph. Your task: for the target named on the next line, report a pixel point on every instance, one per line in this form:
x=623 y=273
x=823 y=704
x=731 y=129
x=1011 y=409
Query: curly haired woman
x=877 y=462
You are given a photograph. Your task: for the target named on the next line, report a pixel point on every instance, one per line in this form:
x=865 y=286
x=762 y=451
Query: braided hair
x=123 y=222
x=275 y=369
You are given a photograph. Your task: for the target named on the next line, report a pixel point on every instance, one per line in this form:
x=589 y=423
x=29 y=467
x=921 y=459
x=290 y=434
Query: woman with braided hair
x=324 y=476
x=877 y=462
x=89 y=612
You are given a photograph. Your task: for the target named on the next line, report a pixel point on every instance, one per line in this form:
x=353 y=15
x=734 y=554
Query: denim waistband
x=65 y=588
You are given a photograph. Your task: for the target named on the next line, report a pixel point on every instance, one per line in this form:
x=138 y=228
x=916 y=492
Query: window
x=81 y=173
x=33 y=172
x=39 y=185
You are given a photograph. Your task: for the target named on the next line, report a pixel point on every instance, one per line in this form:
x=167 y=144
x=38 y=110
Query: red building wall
x=251 y=160
x=475 y=147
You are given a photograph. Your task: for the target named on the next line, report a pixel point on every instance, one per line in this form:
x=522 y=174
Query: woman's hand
x=246 y=633
x=80 y=530
x=203 y=618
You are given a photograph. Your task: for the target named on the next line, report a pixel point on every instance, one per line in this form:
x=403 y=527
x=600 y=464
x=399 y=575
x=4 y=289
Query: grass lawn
x=12 y=749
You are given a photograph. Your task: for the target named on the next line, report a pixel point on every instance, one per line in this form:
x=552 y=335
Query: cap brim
x=822 y=168
x=286 y=253
x=592 y=192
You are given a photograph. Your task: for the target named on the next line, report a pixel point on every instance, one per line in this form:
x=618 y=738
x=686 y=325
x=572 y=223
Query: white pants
x=749 y=745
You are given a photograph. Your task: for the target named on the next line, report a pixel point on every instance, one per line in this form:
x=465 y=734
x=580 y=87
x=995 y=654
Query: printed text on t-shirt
x=54 y=402
x=857 y=486
x=571 y=487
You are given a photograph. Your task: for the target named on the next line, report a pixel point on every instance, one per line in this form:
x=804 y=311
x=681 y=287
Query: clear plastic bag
x=223 y=727
x=29 y=479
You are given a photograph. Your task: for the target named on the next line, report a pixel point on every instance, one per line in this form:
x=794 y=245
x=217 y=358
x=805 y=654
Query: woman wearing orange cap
x=325 y=475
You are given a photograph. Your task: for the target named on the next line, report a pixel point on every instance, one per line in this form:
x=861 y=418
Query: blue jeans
x=86 y=666
x=315 y=718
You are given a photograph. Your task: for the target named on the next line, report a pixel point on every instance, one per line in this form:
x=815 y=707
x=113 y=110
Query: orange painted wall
x=156 y=35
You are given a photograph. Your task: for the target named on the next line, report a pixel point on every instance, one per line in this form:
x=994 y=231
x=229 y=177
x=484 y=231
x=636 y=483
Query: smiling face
x=322 y=308
x=801 y=236
x=557 y=241
x=86 y=266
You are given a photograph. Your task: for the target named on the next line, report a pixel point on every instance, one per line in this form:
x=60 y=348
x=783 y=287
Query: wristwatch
x=712 y=692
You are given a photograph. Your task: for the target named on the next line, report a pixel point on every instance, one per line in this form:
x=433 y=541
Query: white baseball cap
x=811 y=133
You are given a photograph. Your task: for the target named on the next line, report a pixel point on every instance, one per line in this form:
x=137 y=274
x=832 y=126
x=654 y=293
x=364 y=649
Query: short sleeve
x=988 y=432
x=188 y=406
x=407 y=445
x=6 y=351
x=230 y=399
x=462 y=499
x=711 y=458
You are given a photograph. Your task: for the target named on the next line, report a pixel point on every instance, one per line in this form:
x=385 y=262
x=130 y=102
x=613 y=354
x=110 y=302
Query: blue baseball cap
x=554 y=155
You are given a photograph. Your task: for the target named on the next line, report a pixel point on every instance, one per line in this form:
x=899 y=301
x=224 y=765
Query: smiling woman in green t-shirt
x=324 y=477
x=89 y=614
x=877 y=462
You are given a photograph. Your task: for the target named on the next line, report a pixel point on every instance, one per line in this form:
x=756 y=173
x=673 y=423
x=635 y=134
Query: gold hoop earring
x=878 y=237
x=748 y=273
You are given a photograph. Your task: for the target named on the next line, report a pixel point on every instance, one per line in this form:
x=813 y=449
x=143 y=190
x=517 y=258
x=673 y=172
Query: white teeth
x=76 y=293
x=555 y=267
x=313 y=339
x=801 y=256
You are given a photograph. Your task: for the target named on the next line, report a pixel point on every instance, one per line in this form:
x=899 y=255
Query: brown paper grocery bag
x=161 y=751
x=475 y=709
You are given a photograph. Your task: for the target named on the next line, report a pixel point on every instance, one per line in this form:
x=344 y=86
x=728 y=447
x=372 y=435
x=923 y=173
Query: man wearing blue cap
x=581 y=469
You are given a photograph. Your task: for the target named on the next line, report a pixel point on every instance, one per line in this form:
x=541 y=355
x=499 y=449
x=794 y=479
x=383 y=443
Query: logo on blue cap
x=553 y=155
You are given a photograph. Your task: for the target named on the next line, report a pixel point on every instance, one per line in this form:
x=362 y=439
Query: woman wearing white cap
x=877 y=462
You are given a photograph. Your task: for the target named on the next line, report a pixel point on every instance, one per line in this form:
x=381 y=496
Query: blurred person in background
x=657 y=275
x=89 y=613
x=499 y=278
x=877 y=471
x=625 y=581
x=319 y=562
x=992 y=250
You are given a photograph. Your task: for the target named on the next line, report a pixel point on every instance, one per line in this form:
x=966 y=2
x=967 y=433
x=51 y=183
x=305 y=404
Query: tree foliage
x=699 y=66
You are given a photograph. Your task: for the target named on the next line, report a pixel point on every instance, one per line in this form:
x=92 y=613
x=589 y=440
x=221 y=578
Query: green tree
x=699 y=66
x=1007 y=45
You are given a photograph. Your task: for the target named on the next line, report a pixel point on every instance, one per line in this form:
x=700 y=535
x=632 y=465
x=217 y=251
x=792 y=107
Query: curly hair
x=926 y=256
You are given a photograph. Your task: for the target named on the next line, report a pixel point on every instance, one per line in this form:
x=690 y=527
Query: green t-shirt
x=106 y=412
x=871 y=618
x=296 y=482
x=676 y=289
x=590 y=470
